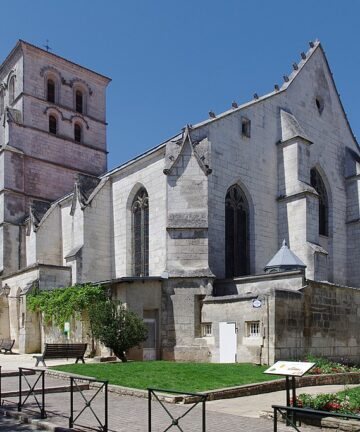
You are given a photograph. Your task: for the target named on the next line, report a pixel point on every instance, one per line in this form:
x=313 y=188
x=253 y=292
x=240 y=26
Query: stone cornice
x=36 y=266
x=69 y=168
x=353 y=177
x=62 y=137
x=294 y=140
x=296 y=195
x=67 y=108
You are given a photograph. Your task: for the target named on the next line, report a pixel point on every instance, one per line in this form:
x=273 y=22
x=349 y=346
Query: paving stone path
x=130 y=414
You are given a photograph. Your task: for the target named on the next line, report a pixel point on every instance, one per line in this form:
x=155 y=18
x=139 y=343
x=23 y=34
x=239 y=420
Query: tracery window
x=52 y=125
x=140 y=233
x=12 y=90
x=51 y=90
x=236 y=233
x=79 y=101
x=77 y=132
x=317 y=183
x=1 y=102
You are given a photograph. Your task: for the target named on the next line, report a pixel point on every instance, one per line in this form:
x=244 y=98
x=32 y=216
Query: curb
x=40 y=424
x=48 y=390
x=229 y=392
x=320 y=422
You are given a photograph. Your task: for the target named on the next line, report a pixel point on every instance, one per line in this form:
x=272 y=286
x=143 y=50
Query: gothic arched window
x=317 y=183
x=236 y=233
x=51 y=90
x=79 y=101
x=77 y=132
x=1 y=102
x=52 y=125
x=140 y=233
x=12 y=90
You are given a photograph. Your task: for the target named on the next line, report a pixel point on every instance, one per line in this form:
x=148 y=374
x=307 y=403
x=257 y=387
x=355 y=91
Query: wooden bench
x=63 y=350
x=6 y=345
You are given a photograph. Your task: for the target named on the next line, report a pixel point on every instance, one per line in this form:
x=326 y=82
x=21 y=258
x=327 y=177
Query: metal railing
x=31 y=391
x=175 y=421
x=87 y=402
x=288 y=413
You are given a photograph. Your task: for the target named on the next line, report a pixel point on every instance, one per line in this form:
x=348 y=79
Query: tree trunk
x=121 y=355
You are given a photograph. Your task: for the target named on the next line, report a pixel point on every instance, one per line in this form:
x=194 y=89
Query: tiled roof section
x=38 y=210
x=284 y=259
x=83 y=188
x=290 y=127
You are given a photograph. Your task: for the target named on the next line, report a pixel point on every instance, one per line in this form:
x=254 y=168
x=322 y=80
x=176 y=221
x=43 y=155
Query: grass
x=191 y=377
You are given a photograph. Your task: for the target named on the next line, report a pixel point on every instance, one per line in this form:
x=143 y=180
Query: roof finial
x=295 y=66
x=276 y=87
x=212 y=114
x=303 y=55
x=286 y=78
x=256 y=96
x=234 y=104
x=46 y=46
x=311 y=43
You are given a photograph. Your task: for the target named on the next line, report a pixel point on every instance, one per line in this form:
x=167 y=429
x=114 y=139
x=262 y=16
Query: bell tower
x=52 y=127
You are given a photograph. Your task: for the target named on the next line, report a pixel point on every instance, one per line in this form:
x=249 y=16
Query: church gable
x=199 y=149
x=317 y=98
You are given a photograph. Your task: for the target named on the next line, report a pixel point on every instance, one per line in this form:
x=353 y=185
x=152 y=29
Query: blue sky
x=172 y=61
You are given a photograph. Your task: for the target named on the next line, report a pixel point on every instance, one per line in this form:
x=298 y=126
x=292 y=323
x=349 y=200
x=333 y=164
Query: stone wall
x=126 y=182
x=322 y=320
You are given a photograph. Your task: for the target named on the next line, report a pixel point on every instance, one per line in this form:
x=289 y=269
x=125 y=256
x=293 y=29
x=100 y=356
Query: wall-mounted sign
x=256 y=303
x=289 y=368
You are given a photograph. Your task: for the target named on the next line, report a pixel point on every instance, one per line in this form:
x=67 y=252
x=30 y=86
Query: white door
x=228 y=342
x=149 y=347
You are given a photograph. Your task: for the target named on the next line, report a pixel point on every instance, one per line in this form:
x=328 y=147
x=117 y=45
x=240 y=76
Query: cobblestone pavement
x=130 y=414
x=12 y=425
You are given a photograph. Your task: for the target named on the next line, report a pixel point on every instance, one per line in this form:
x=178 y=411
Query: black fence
x=291 y=414
x=87 y=402
x=198 y=398
x=31 y=390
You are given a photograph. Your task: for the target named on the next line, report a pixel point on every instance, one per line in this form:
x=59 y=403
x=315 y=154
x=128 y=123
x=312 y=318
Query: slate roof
x=284 y=259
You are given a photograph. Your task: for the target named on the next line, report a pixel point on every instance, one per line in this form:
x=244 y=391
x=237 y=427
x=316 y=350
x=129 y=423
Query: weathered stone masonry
x=67 y=221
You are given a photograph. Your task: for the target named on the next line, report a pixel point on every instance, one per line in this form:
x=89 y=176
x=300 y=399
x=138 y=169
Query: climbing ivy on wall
x=61 y=304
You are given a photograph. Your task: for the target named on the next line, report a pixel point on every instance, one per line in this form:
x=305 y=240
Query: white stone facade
x=267 y=147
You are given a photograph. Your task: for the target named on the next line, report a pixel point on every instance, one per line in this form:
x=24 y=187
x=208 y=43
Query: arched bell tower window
x=140 y=233
x=79 y=101
x=318 y=184
x=12 y=90
x=77 y=133
x=51 y=90
x=236 y=233
x=52 y=125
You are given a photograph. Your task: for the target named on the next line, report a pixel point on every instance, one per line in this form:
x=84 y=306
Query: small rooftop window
x=245 y=127
x=319 y=104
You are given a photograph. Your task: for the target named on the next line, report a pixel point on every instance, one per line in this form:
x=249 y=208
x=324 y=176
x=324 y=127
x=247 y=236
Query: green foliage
x=325 y=366
x=116 y=327
x=61 y=304
x=347 y=401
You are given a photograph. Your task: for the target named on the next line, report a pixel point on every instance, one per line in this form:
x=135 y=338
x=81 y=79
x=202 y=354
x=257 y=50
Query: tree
x=116 y=327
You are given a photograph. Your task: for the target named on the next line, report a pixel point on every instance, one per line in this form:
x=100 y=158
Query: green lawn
x=190 y=377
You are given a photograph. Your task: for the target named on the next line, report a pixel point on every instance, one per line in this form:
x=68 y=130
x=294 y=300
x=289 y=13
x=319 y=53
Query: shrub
x=116 y=327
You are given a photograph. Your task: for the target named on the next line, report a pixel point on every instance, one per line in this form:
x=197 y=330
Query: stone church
x=237 y=239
